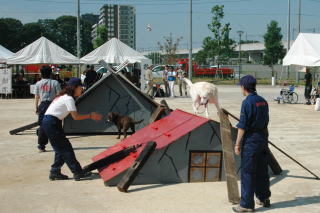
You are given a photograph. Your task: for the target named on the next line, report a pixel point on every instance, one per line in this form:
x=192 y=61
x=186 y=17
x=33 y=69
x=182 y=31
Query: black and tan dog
x=123 y=123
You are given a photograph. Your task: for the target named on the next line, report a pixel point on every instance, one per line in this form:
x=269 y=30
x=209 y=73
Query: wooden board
x=109 y=159
x=273 y=164
x=133 y=171
x=23 y=128
x=228 y=158
x=156 y=115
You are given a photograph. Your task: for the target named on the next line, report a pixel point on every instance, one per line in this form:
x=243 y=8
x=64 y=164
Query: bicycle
x=288 y=96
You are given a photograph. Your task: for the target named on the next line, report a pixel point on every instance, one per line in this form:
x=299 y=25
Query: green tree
x=49 y=29
x=219 y=46
x=30 y=32
x=274 y=50
x=169 y=48
x=66 y=33
x=86 y=39
x=201 y=57
x=156 y=57
x=102 y=36
x=10 y=30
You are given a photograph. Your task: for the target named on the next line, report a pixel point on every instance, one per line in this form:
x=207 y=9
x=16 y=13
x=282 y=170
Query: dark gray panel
x=110 y=95
x=171 y=164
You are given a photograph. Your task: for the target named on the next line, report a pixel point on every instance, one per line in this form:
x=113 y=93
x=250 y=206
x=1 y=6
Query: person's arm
x=37 y=98
x=93 y=116
x=76 y=116
x=242 y=126
x=237 y=148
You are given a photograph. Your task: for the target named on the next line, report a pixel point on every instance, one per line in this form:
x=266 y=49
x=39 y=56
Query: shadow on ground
x=298 y=201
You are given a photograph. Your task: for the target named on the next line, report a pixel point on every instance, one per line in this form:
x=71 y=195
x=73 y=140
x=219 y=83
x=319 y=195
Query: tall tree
x=219 y=46
x=201 y=57
x=10 y=30
x=86 y=39
x=30 y=32
x=102 y=36
x=49 y=29
x=274 y=50
x=91 y=18
x=66 y=36
x=169 y=48
x=156 y=57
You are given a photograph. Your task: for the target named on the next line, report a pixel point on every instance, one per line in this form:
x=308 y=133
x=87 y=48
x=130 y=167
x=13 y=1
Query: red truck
x=199 y=71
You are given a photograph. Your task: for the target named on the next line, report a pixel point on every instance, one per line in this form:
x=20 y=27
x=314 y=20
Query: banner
x=144 y=65
x=5 y=81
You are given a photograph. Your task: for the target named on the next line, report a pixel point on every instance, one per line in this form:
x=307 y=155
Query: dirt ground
x=24 y=184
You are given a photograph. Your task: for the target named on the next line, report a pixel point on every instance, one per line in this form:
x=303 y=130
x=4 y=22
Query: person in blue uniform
x=252 y=145
x=61 y=107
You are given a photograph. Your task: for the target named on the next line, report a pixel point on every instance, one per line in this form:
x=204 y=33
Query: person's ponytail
x=69 y=90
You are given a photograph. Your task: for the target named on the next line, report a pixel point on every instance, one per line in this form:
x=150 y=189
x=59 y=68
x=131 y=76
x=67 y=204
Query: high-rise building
x=120 y=21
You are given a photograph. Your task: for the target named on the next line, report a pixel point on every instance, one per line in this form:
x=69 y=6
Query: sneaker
x=265 y=203
x=308 y=103
x=42 y=150
x=241 y=209
x=78 y=176
x=57 y=176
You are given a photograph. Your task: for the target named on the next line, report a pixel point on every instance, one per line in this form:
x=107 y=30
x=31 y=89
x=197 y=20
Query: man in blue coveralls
x=252 y=143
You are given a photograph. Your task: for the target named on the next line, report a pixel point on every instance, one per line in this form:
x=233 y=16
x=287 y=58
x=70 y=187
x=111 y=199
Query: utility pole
x=299 y=17
x=190 y=43
x=78 y=36
x=240 y=34
x=288 y=36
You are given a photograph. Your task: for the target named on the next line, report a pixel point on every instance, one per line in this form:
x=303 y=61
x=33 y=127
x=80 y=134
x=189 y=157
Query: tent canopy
x=305 y=51
x=114 y=52
x=4 y=54
x=43 y=51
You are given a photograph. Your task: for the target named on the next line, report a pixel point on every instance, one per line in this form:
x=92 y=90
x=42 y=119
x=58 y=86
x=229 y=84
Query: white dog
x=203 y=93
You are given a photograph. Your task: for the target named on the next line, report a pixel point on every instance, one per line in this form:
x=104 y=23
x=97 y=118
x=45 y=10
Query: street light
x=240 y=34
x=190 y=42
x=78 y=35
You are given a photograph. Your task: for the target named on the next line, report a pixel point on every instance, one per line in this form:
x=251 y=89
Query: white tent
x=305 y=51
x=114 y=52
x=4 y=54
x=43 y=51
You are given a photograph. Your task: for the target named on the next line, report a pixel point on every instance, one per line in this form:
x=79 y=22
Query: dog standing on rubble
x=123 y=123
x=202 y=93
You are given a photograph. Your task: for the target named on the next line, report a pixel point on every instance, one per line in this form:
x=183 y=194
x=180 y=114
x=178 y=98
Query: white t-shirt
x=61 y=107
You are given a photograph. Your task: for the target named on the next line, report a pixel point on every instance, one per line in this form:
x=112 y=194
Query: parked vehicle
x=222 y=71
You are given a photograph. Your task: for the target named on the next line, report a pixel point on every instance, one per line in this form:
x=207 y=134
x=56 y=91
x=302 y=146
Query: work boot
x=41 y=150
x=78 y=176
x=241 y=209
x=57 y=176
x=264 y=203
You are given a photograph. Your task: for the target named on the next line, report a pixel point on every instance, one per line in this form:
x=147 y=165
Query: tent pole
x=78 y=36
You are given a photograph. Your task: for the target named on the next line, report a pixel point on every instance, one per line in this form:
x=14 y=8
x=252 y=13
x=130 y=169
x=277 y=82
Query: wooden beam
x=228 y=158
x=23 y=128
x=133 y=171
x=104 y=162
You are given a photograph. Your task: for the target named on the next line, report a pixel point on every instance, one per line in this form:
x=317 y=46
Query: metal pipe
x=288 y=35
x=272 y=144
x=190 y=43
x=78 y=36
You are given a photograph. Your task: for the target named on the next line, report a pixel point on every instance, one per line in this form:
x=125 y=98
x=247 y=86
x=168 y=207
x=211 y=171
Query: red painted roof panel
x=163 y=132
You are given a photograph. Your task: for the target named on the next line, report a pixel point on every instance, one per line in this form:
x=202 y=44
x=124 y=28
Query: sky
x=172 y=16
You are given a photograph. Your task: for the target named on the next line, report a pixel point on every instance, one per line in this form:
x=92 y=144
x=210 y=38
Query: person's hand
x=37 y=110
x=237 y=149
x=95 y=116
